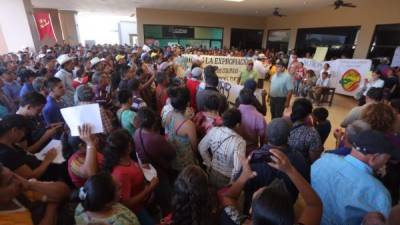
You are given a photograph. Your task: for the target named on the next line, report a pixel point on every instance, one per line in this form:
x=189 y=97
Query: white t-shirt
x=320 y=73
x=259 y=67
x=323 y=83
x=376 y=84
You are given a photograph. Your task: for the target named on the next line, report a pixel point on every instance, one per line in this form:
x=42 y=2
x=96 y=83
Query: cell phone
x=261 y=156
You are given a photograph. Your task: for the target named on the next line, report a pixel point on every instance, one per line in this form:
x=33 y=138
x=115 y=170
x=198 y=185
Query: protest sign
x=350 y=74
x=320 y=54
x=83 y=114
x=229 y=68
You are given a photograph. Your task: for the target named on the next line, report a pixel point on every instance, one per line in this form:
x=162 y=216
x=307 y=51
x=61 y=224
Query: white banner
x=347 y=75
x=229 y=68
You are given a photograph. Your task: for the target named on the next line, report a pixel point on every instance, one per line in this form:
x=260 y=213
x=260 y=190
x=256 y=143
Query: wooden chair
x=327 y=95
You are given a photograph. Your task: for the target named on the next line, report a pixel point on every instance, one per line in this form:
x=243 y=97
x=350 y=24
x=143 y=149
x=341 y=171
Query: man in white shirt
x=321 y=85
x=260 y=69
x=220 y=150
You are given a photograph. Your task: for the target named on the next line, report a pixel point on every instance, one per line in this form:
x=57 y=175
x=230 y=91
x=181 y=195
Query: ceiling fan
x=341 y=3
x=277 y=13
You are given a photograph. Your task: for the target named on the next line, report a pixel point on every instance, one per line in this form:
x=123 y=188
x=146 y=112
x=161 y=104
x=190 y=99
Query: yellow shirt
x=19 y=216
x=272 y=71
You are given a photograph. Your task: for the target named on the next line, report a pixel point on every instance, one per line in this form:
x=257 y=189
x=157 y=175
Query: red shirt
x=131 y=180
x=161 y=97
x=76 y=82
x=76 y=161
x=193 y=85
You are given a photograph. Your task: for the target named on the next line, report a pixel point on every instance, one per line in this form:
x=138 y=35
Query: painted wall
x=3 y=44
x=69 y=27
x=186 y=18
x=368 y=14
x=125 y=29
x=16 y=33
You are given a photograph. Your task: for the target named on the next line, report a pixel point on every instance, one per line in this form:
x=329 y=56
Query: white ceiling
x=127 y=7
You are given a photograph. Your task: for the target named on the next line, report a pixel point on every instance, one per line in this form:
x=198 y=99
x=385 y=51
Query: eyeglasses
x=250 y=64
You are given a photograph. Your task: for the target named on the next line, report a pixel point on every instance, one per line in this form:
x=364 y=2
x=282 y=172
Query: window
x=278 y=40
x=384 y=42
x=185 y=36
x=246 y=38
x=341 y=41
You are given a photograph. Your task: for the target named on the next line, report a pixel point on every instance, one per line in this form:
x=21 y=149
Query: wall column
x=69 y=27
x=17 y=26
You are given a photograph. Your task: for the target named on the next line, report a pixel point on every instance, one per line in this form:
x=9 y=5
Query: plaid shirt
x=105 y=118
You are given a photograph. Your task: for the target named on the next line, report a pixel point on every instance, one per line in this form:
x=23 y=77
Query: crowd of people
x=175 y=151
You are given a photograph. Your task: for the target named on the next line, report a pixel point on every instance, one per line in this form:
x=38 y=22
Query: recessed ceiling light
x=234 y=0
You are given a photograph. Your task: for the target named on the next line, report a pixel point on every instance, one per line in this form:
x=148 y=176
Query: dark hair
x=118 y=143
x=212 y=80
x=320 y=113
x=52 y=82
x=375 y=94
x=147 y=117
x=25 y=74
x=273 y=206
x=179 y=98
x=191 y=200
x=134 y=84
x=161 y=77
x=378 y=72
x=98 y=191
x=232 y=117
x=212 y=103
x=246 y=96
x=327 y=65
x=139 y=72
x=301 y=108
x=32 y=98
x=12 y=121
x=124 y=96
x=311 y=72
x=395 y=103
x=39 y=83
x=250 y=84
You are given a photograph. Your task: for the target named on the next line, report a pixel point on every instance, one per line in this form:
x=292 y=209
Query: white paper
x=149 y=173
x=56 y=144
x=396 y=57
x=83 y=114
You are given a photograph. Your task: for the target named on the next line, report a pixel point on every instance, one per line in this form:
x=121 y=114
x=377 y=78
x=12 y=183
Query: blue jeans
x=145 y=218
x=297 y=84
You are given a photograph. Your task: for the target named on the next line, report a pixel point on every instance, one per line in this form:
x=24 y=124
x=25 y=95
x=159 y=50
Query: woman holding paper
x=152 y=148
x=12 y=131
x=86 y=161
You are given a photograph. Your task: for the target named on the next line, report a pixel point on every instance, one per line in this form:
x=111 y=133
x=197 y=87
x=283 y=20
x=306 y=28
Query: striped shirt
x=225 y=145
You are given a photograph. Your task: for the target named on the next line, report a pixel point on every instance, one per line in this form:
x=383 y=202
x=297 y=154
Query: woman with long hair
x=98 y=203
x=190 y=204
x=128 y=174
x=181 y=131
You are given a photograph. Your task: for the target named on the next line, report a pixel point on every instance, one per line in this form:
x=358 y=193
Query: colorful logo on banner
x=44 y=25
x=350 y=80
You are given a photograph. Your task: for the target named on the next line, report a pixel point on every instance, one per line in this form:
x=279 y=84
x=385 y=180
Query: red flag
x=44 y=25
